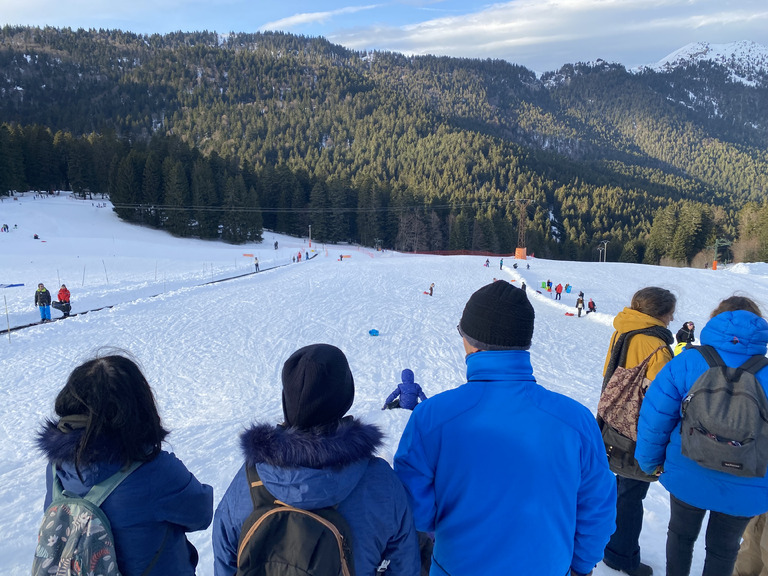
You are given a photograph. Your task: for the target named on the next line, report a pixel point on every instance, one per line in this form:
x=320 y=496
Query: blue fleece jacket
x=159 y=498
x=314 y=469
x=736 y=336
x=409 y=391
x=511 y=478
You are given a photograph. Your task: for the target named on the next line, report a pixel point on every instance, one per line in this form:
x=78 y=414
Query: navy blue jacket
x=409 y=391
x=309 y=470
x=736 y=336
x=511 y=478
x=160 y=497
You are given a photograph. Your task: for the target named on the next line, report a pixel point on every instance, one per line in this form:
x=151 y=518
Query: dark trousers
x=722 y=541
x=623 y=549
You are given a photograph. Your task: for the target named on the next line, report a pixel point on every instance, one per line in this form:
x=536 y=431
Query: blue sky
x=539 y=34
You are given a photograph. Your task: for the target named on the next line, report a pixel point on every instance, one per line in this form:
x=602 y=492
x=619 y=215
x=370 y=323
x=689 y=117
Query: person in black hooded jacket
x=686 y=333
x=318 y=457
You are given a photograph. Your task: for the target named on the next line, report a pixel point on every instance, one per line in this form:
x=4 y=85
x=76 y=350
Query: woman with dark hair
x=641 y=332
x=736 y=331
x=106 y=419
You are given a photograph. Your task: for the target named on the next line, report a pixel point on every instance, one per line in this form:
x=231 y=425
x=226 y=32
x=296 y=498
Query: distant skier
x=256 y=263
x=43 y=301
x=409 y=392
x=63 y=304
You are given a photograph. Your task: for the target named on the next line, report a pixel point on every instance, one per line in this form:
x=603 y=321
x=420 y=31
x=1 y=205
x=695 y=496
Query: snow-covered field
x=213 y=352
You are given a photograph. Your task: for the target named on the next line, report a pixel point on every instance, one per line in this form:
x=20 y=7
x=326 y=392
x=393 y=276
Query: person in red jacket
x=558 y=291
x=63 y=304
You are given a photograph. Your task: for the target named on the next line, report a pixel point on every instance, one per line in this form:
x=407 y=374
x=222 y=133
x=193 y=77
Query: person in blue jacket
x=407 y=394
x=106 y=419
x=511 y=477
x=319 y=457
x=737 y=331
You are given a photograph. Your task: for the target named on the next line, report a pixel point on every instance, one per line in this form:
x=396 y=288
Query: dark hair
x=654 y=301
x=737 y=303
x=115 y=397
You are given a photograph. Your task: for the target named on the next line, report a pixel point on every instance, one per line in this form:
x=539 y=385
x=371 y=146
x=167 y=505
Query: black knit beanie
x=498 y=317
x=318 y=387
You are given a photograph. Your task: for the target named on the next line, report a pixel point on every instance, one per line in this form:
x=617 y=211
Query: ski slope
x=213 y=351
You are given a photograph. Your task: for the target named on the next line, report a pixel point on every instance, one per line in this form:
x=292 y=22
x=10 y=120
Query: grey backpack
x=724 y=417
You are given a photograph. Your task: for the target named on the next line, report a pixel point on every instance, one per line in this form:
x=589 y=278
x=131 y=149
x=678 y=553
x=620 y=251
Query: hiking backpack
x=724 y=417
x=75 y=537
x=278 y=539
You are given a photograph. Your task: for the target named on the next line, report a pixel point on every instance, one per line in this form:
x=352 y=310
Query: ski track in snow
x=213 y=353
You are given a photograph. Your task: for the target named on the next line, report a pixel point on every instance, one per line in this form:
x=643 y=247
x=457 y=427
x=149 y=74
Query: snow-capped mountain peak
x=747 y=61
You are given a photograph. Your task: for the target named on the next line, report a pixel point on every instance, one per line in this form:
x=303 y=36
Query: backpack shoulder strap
x=754 y=364
x=710 y=355
x=619 y=353
x=260 y=496
x=98 y=493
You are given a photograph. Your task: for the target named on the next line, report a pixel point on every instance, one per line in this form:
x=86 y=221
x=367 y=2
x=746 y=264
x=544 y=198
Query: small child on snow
x=409 y=392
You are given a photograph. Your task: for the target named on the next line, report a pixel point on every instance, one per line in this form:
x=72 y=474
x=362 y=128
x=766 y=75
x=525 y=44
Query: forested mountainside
x=417 y=153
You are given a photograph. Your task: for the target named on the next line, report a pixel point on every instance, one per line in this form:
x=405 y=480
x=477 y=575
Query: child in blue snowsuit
x=409 y=392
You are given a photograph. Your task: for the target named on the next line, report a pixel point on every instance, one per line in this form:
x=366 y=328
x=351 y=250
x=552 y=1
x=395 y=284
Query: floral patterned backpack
x=75 y=538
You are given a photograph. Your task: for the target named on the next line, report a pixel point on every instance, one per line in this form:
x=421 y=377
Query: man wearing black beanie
x=510 y=477
x=319 y=457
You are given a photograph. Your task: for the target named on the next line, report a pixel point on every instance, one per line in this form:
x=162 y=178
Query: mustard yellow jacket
x=642 y=345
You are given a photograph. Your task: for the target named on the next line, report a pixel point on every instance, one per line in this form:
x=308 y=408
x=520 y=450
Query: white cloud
x=547 y=34
x=313 y=17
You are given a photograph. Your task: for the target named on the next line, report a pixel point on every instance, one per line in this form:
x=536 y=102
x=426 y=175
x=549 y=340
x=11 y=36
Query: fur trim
x=61 y=447
x=317 y=447
x=57 y=446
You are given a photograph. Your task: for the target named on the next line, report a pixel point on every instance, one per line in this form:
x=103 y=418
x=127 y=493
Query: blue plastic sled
x=373 y=332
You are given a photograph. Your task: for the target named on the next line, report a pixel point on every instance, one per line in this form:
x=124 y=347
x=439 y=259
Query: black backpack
x=278 y=539
x=724 y=417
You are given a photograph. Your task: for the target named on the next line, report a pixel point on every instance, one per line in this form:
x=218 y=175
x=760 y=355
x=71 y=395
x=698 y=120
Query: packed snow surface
x=213 y=351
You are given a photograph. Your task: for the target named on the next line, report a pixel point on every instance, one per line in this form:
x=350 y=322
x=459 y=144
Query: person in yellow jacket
x=642 y=329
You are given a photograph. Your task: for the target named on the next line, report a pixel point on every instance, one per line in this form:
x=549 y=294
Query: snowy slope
x=213 y=352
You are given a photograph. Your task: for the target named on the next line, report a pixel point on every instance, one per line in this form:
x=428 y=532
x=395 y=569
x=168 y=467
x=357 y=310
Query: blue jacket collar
x=500 y=366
